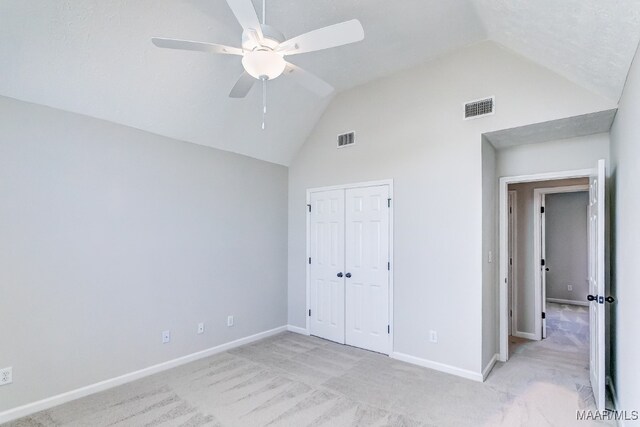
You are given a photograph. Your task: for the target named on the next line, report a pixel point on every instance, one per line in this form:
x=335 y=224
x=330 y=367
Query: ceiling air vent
x=479 y=108
x=346 y=139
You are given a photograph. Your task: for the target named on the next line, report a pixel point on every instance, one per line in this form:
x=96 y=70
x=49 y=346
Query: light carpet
x=294 y=380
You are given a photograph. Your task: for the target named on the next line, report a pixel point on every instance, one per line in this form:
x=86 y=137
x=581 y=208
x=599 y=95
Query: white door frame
x=388 y=182
x=503 y=241
x=538 y=232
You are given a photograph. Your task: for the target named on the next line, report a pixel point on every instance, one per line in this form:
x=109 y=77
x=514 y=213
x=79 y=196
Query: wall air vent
x=479 y=108
x=346 y=139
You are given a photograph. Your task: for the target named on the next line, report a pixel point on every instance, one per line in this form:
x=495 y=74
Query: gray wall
x=409 y=128
x=625 y=144
x=566 y=246
x=111 y=235
x=527 y=267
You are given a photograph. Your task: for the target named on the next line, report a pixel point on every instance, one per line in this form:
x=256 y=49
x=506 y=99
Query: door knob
x=610 y=299
x=546 y=269
x=340 y=274
x=591 y=298
x=348 y=275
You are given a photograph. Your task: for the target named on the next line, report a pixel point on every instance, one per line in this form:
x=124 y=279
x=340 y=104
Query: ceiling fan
x=264 y=49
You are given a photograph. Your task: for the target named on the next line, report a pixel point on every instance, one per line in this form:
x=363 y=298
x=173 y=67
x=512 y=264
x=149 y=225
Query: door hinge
x=510 y=313
x=544 y=315
x=309 y=206
x=389 y=266
x=510 y=210
x=388 y=329
x=542 y=262
x=309 y=312
x=388 y=203
x=510 y=261
x=309 y=260
x=542 y=209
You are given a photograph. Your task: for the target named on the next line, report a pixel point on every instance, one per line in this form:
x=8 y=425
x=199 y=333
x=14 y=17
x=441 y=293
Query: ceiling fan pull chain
x=264 y=101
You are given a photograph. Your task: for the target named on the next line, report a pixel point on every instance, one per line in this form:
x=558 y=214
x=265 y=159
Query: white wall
x=625 y=144
x=527 y=266
x=111 y=235
x=409 y=128
x=566 y=246
x=553 y=156
x=489 y=261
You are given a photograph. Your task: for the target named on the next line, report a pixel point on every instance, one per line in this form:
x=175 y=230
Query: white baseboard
x=40 y=405
x=568 y=301
x=525 y=335
x=464 y=373
x=487 y=369
x=297 y=330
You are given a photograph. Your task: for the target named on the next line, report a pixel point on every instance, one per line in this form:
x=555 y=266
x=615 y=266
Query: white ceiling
x=590 y=42
x=94 y=57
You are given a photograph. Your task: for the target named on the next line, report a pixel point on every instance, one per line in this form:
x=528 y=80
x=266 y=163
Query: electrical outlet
x=166 y=337
x=200 y=328
x=433 y=336
x=230 y=321
x=6 y=376
x=570 y=287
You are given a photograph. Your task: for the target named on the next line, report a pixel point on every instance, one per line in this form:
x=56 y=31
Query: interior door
x=597 y=283
x=512 y=247
x=326 y=240
x=367 y=268
x=543 y=268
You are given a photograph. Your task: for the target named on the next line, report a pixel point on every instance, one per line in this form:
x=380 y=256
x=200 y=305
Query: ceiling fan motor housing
x=272 y=38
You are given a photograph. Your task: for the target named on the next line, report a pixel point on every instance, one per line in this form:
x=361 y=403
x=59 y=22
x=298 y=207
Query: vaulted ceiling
x=94 y=57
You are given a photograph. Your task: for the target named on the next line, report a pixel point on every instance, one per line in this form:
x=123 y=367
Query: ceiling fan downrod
x=264 y=78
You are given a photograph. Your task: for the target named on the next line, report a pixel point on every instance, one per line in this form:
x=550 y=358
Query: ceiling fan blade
x=246 y=15
x=196 y=46
x=242 y=86
x=324 y=38
x=310 y=81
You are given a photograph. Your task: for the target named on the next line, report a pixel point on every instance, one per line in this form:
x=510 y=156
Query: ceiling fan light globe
x=264 y=63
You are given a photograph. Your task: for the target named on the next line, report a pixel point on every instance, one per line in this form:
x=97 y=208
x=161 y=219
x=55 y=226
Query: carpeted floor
x=293 y=380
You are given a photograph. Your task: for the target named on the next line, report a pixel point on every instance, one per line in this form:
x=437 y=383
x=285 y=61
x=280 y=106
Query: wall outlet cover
x=166 y=337
x=570 y=287
x=433 y=336
x=6 y=376
x=230 y=321
x=200 y=328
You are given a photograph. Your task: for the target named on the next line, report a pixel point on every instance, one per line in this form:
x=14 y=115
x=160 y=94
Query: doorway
x=594 y=180
x=349 y=280
x=561 y=241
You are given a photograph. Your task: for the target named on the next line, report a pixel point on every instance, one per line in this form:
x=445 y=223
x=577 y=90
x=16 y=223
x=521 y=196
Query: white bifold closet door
x=349 y=267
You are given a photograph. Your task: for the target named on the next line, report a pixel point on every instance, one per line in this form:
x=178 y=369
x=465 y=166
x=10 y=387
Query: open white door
x=543 y=267
x=597 y=283
x=367 y=268
x=513 y=202
x=326 y=244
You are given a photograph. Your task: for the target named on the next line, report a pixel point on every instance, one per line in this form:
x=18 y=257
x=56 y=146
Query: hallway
x=553 y=373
